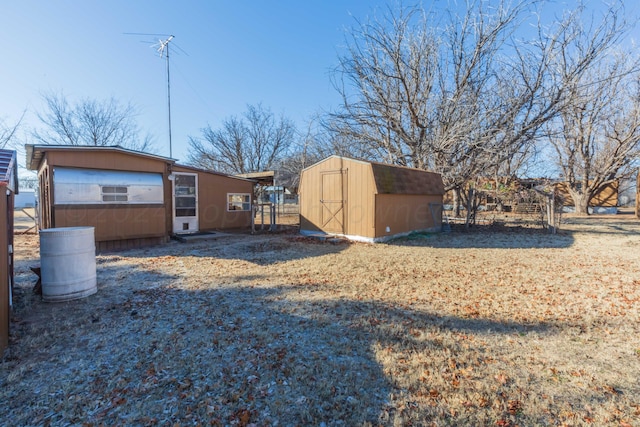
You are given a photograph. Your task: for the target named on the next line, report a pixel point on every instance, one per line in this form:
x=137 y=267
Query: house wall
x=105 y=160
x=212 y=200
x=607 y=197
x=6 y=237
x=403 y=213
x=116 y=226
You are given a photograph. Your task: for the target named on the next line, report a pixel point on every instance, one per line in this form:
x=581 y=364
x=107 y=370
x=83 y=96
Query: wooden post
x=254 y=211
x=553 y=213
x=273 y=218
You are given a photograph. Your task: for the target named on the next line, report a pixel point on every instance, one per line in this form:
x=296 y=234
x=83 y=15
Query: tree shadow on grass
x=260 y=250
x=482 y=237
x=225 y=356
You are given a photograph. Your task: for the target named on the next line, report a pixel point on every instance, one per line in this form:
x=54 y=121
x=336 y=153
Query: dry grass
x=502 y=328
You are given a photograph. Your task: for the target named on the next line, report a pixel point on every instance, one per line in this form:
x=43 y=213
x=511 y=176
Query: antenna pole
x=169 y=97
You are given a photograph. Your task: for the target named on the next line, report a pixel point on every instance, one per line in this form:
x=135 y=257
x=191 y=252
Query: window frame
x=116 y=194
x=241 y=204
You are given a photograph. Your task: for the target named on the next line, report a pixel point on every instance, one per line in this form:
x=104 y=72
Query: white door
x=185 y=202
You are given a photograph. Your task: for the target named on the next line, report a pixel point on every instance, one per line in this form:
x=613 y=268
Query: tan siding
x=313 y=214
x=366 y=213
x=360 y=200
x=405 y=213
x=120 y=245
x=308 y=194
x=212 y=200
x=606 y=197
x=105 y=160
x=114 y=222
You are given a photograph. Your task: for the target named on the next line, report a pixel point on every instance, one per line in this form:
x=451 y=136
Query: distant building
x=25 y=199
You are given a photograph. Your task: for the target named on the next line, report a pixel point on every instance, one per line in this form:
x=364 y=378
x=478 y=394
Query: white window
x=112 y=193
x=238 y=202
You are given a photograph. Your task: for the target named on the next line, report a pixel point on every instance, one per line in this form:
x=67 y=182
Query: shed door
x=332 y=201
x=185 y=203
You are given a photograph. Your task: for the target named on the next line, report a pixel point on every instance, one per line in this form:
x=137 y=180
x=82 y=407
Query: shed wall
x=404 y=213
x=361 y=200
x=212 y=200
x=356 y=191
x=365 y=212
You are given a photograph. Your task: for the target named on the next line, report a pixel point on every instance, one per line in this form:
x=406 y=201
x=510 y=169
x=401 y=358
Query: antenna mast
x=164 y=50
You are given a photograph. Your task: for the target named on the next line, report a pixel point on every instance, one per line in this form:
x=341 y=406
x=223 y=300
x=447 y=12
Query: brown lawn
x=504 y=327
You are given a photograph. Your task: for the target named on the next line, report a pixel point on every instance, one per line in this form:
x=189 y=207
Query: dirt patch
x=494 y=327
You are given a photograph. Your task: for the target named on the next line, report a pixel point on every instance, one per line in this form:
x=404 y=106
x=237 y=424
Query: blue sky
x=231 y=53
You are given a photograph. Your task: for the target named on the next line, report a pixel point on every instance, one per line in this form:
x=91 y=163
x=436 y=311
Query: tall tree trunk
x=457 y=202
x=638 y=195
x=581 y=202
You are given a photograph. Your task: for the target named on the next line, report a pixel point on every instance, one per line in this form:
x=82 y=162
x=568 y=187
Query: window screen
x=238 y=202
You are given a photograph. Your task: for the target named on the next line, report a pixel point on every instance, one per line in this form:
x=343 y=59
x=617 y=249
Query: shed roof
x=393 y=179
x=36 y=152
x=8 y=169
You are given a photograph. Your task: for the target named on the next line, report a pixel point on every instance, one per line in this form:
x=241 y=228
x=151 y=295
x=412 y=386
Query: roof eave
x=35 y=152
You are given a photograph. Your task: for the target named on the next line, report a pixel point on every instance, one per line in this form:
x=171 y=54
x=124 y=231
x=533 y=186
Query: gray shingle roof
x=402 y=180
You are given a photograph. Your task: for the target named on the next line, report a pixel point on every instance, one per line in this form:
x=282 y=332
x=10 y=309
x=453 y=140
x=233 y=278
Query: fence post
x=273 y=218
x=254 y=211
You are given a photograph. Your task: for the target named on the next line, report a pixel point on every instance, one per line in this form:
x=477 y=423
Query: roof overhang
x=262 y=178
x=35 y=153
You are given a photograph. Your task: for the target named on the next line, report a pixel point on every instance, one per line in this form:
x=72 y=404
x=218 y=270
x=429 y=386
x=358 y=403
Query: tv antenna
x=163 y=50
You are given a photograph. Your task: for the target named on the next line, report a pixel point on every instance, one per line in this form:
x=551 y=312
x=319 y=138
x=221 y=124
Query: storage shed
x=8 y=187
x=368 y=201
x=131 y=198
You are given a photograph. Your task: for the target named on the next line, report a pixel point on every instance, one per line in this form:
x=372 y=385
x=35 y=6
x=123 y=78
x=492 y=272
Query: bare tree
x=90 y=122
x=596 y=138
x=8 y=132
x=431 y=96
x=252 y=143
x=463 y=98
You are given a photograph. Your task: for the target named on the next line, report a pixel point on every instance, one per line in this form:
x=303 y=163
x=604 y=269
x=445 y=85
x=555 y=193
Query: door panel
x=185 y=203
x=332 y=201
